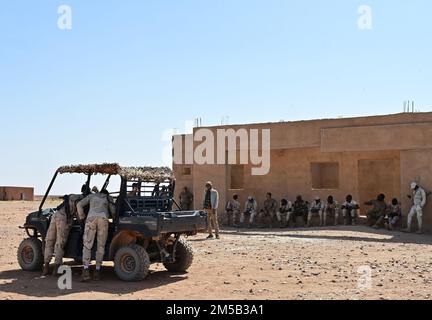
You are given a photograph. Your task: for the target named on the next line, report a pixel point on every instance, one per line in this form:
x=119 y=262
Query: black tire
x=132 y=263
x=183 y=258
x=30 y=255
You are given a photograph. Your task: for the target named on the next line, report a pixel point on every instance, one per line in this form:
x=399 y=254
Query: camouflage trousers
x=95 y=226
x=56 y=238
x=213 y=222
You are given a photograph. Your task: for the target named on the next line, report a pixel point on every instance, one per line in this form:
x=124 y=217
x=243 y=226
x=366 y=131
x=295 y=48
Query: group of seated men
x=286 y=213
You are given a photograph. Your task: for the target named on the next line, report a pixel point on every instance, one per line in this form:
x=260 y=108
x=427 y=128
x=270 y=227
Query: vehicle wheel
x=30 y=255
x=132 y=263
x=183 y=258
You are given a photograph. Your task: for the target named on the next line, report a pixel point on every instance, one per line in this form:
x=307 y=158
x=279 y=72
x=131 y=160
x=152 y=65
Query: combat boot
x=96 y=275
x=46 y=270
x=56 y=268
x=85 y=277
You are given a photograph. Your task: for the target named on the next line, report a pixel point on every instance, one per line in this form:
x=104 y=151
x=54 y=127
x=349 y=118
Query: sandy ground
x=253 y=264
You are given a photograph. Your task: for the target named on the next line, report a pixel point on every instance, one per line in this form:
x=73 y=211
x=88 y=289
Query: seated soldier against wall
x=331 y=209
x=233 y=212
x=269 y=211
x=251 y=211
x=350 y=210
x=284 y=213
x=394 y=215
x=376 y=215
x=316 y=209
x=300 y=209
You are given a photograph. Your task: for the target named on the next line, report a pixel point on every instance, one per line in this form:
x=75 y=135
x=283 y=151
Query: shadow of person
x=31 y=284
x=348 y=233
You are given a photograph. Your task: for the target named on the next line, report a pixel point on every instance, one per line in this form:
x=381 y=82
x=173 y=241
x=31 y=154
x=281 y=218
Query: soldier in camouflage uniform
x=317 y=208
x=300 y=209
x=419 y=199
x=58 y=232
x=269 y=210
x=350 y=210
x=233 y=212
x=284 y=213
x=186 y=199
x=378 y=211
x=251 y=211
x=331 y=208
x=101 y=207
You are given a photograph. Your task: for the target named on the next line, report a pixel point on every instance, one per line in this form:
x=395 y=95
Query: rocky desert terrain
x=332 y=263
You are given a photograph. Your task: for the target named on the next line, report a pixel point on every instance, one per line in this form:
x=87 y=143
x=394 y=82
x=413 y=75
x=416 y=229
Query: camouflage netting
x=158 y=174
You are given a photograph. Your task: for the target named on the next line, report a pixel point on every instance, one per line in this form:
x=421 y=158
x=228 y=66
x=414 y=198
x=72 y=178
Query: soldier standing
x=419 y=201
x=210 y=205
x=317 y=208
x=270 y=209
x=58 y=232
x=101 y=207
x=233 y=212
x=186 y=199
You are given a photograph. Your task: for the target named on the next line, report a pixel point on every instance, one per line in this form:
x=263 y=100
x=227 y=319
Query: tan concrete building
x=361 y=156
x=16 y=193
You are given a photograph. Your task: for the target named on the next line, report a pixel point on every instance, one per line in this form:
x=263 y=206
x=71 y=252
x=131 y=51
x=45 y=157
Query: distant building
x=361 y=156
x=16 y=193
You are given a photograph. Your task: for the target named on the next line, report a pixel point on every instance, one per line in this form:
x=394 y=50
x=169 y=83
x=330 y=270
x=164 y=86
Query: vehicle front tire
x=30 y=255
x=132 y=263
x=183 y=257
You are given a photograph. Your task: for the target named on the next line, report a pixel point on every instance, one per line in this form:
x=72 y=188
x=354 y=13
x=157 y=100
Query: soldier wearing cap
x=418 y=198
x=210 y=205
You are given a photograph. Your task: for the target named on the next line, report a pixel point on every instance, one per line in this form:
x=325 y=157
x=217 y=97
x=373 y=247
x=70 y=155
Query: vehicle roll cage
x=139 y=175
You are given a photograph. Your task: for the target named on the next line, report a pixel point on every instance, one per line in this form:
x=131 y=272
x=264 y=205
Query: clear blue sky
x=128 y=70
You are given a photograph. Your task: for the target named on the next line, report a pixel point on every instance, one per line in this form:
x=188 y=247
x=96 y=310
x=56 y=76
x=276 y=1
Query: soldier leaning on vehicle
x=58 y=232
x=101 y=207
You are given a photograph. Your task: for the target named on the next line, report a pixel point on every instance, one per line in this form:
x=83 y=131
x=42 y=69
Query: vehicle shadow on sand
x=351 y=234
x=31 y=284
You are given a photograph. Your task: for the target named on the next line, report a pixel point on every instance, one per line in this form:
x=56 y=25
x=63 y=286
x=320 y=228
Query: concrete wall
x=16 y=193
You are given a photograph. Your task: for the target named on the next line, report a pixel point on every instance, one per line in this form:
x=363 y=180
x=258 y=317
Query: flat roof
x=16 y=187
x=407 y=116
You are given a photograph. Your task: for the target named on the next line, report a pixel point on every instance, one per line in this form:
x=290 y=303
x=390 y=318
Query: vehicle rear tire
x=132 y=263
x=183 y=258
x=30 y=255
